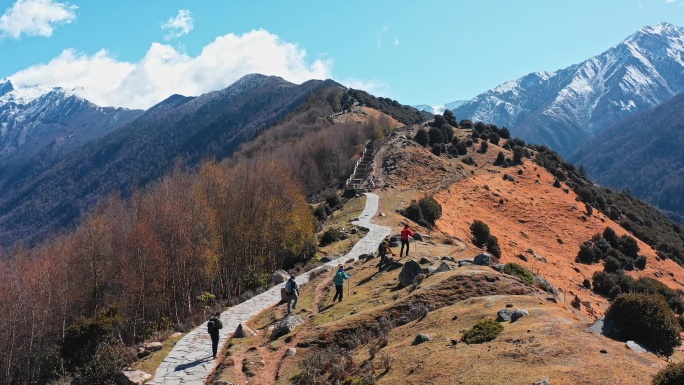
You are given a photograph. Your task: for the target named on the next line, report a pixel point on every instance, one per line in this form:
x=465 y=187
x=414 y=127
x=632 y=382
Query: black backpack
x=211 y=326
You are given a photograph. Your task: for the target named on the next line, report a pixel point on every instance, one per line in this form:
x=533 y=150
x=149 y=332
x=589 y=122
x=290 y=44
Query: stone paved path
x=189 y=362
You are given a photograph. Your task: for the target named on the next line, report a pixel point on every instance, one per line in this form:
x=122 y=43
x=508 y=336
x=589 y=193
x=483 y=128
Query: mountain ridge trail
x=190 y=362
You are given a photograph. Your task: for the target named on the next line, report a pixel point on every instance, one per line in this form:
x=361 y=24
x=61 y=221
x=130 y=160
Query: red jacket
x=406 y=233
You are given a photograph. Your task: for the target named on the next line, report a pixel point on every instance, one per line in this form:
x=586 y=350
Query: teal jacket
x=340 y=276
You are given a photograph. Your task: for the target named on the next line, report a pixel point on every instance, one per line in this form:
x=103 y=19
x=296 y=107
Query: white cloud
x=374 y=87
x=178 y=26
x=164 y=71
x=670 y=1
x=35 y=17
x=396 y=42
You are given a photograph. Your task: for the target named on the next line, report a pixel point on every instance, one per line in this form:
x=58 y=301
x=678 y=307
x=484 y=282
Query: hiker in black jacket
x=213 y=326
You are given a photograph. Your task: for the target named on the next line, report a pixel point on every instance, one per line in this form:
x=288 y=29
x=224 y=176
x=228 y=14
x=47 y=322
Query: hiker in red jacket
x=406 y=233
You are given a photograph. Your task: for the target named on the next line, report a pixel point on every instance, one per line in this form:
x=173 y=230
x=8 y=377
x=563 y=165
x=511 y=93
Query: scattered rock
x=420 y=338
x=508 y=177
x=409 y=273
x=280 y=276
x=504 y=315
x=543 y=381
x=131 y=377
x=286 y=326
x=447 y=258
x=366 y=256
x=522 y=257
x=602 y=327
x=154 y=346
x=509 y=305
x=551 y=299
x=604 y=351
x=539 y=257
x=395 y=240
x=290 y=352
x=543 y=283
x=142 y=353
x=417 y=237
x=484 y=259
x=443 y=267
x=498 y=267
x=636 y=347
x=325 y=259
x=519 y=313
x=243 y=332
x=424 y=261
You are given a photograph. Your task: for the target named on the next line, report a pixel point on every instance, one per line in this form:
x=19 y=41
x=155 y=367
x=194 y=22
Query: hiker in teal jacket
x=340 y=276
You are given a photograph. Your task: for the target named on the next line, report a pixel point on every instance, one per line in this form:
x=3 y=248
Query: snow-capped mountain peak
x=564 y=108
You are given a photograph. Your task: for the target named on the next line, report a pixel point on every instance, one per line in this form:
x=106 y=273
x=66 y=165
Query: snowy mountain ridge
x=38 y=118
x=564 y=108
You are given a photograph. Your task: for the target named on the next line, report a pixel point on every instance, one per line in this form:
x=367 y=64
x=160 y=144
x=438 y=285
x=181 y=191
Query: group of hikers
x=292 y=289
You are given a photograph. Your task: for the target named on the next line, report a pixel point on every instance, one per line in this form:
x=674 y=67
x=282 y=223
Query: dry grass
x=150 y=363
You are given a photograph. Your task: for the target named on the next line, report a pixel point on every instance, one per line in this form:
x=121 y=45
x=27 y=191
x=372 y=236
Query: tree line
x=153 y=259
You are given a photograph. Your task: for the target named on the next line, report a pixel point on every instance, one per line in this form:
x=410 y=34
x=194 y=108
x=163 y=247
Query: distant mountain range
x=564 y=108
x=103 y=150
x=441 y=108
x=51 y=122
x=643 y=153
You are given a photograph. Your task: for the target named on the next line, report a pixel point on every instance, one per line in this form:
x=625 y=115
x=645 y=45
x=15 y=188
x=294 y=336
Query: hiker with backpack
x=213 y=326
x=292 y=292
x=340 y=276
x=406 y=233
x=383 y=249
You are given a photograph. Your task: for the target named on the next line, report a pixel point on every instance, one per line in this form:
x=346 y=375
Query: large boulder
x=417 y=237
x=543 y=283
x=286 y=326
x=131 y=377
x=154 y=346
x=519 y=313
x=504 y=315
x=243 y=332
x=395 y=240
x=409 y=273
x=280 y=276
x=484 y=259
x=420 y=338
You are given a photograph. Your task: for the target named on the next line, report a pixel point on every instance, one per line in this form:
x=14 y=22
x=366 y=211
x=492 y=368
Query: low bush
x=483 y=331
x=430 y=208
x=646 y=318
x=493 y=246
x=672 y=374
x=517 y=270
x=330 y=236
x=480 y=232
x=422 y=137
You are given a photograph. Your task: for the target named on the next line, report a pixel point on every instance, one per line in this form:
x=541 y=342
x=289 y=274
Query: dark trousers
x=383 y=260
x=214 y=343
x=339 y=289
x=404 y=242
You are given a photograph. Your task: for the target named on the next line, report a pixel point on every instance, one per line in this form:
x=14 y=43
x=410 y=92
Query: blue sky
x=136 y=53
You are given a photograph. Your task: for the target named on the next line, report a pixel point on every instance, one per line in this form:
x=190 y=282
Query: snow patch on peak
x=24 y=95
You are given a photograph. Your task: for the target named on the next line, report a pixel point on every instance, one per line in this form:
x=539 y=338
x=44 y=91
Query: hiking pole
x=349 y=287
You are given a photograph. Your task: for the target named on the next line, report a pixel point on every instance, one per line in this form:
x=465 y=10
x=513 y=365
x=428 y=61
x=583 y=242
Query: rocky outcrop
x=286 y=326
x=243 y=331
x=409 y=272
x=131 y=377
x=484 y=259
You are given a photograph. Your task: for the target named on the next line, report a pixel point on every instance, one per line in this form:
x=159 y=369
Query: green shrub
x=494 y=138
x=589 y=253
x=483 y=147
x=493 y=246
x=500 y=159
x=672 y=374
x=436 y=136
x=640 y=262
x=480 y=232
x=431 y=209
x=646 y=318
x=612 y=265
x=482 y=331
x=422 y=137
x=330 y=236
x=519 y=271
x=321 y=213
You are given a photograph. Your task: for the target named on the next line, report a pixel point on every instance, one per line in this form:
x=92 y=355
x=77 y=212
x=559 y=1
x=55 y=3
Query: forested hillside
x=179 y=130
x=195 y=240
x=643 y=154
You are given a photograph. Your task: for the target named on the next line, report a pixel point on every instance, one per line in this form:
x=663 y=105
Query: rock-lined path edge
x=190 y=362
